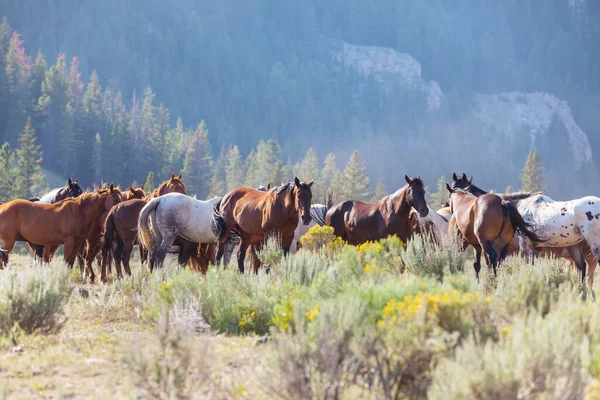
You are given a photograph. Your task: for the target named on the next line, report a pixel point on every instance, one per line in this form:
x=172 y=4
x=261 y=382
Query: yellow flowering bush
x=317 y=237
x=381 y=256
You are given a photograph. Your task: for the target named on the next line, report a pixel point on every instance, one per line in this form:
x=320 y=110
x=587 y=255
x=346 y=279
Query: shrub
x=33 y=298
x=317 y=237
x=536 y=358
x=272 y=252
x=423 y=256
x=301 y=269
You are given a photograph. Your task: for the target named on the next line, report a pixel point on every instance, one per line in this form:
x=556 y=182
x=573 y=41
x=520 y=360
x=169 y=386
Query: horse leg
x=255 y=260
x=126 y=250
x=242 y=255
x=287 y=243
x=576 y=254
x=477 y=263
x=503 y=254
x=7 y=246
x=492 y=255
x=160 y=253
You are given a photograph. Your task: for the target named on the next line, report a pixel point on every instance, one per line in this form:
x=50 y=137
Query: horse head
x=173 y=185
x=303 y=199
x=113 y=197
x=136 y=193
x=415 y=195
x=73 y=189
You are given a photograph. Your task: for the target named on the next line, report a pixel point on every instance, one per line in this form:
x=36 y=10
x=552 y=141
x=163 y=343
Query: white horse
x=436 y=223
x=175 y=214
x=317 y=213
x=563 y=224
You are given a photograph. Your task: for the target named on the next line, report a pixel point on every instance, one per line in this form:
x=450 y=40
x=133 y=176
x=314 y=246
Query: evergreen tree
x=149 y=184
x=509 y=189
x=218 y=181
x=355 y=184
x=234 y=169
x=17 y=68
x=532 y=175
x=94 y=125
x=197 y=166
x=330 y=170
x=175 y=148
x=440 y=196
x=380 y=191
x=98 y=167
x=30 y=180
x=308 y=169
x=5 y=33
x=36 y=78
x=7 y=172
x=251 y=170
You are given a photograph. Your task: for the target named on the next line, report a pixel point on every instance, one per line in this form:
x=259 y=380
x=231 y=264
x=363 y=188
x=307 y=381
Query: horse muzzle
x=306 y=218
x=423 y=212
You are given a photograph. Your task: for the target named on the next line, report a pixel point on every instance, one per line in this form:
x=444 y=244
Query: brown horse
x=358 y=222
x=514 y=248
x=121 y=227
x=93 y=242
x=66 y=222
x=258 y=214
x=487 y=222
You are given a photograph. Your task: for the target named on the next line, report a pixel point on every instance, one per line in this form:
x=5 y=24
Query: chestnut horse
x=357 y=222
x=121 y=227
x=487 y=222
x=256 y=215
x=93 y=242
x=577 y=255
x=66 y=222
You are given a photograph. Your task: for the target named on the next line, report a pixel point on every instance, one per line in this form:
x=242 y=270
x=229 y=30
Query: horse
x=93 y=242
x=70 y=190
x=66 y=222
x=567 y=224
x=573 y=254
x=435 y=224
x=195 y=220
x=357 y=222
x=486 y=222
x=317 y=214
x=121 y=227
x=255 y=215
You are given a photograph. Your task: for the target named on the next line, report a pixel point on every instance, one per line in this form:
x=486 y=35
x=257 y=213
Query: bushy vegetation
x=33 y=299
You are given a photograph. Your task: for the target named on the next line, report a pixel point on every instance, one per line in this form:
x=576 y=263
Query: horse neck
x=463 y=197
x=399 y=202
x=287 y=198
x=476 y=190
x=92 y=206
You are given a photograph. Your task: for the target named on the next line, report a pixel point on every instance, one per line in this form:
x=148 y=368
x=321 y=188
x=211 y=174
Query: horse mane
x=521 y=195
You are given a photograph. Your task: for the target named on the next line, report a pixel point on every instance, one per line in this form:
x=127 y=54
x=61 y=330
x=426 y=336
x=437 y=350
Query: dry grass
x=88 y=357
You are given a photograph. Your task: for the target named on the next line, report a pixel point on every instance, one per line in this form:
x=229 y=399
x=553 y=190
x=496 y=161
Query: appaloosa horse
x=66 y=222
x=358 y=222
x=255 y=215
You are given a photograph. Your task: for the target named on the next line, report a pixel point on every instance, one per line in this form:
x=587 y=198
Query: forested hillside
x=336 y=75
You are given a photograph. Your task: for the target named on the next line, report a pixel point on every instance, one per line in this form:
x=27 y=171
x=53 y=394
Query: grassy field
x=382 y=320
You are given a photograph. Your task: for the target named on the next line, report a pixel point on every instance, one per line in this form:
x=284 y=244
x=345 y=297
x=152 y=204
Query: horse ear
x=269 y=186
x=454 y=178
x=464 y=177
x=449 y=188
x=310 y=183
x=407 y=179
x=69 y=182
x=172 y=176
x=130 y=188
x=297 y=181
x=470 y=180
x=179 y=176
x=111 y=187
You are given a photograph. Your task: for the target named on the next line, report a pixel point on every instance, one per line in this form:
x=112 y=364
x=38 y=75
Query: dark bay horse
x=93 y=242
x=121 y=227
x=578 y=255
x=66 y=222
x=357 y=222
x=486 y=222
x=256 y=214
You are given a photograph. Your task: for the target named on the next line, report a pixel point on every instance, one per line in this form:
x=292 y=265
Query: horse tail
x=218 y=224
x=107 y=240
x=144 y=233
x=522 y=228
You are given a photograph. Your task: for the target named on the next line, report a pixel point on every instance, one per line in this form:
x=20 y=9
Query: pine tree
x=94 y=124
x=198 y=165
x=263 y=167
x=30 y=179
x=234 y=169
x=329 y=172
x=308 y=169
x=7 y=172
x=17 y=69
x=440 y=197
x=380 y=191
x=149 y=184
x=5 y=33
x=217 y=183
x=98 y=167
x=174 y=148
x=509 y=189
x=532 y=175
x=355 y=179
